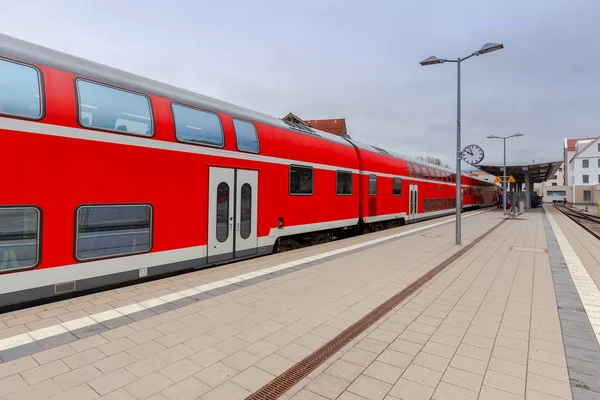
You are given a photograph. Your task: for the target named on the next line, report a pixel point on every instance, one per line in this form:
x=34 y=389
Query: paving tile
x=181 y=370
x=82 y=392
x=361 y=357
x=446 y=391
x=469 y=364
x=241 y=360
x=149 y=385
x=490 y=393
x=12 y=384
x=504 y=382
x=422 y=375
x=147 y=366
x=372 y=345
x=345 y=370
x=39 y=391
x=114 y=362
x=188 y=389
x=513 y=355
x=88 y=343
x=327 y=386
x=112 y=381
x=77 y=377
x=216 y=374
x=384 y=372
x=508 y=367
x=227 y=390
x=554 y=387
x=478 y=353
x=17 y=366
x=54 y=354
x=406 y=347
x=44 y=372
x=369 y=388
x=432 y=361
x=463 y=379
x=408 y=390
x=548 y=357
x=547 y=370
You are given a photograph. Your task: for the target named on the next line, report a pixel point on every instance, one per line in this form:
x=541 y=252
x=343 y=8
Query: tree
x=433 y=160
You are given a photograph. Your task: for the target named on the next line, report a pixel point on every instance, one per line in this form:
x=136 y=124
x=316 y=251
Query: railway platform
x=512 y=313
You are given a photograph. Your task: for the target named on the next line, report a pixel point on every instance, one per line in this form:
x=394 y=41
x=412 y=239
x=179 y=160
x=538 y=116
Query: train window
x=245 y=136
x=197 y=126
x=431 y=204
x=397 y=186
x=222 y=232
x=425 y=172
x=19 y=238
x=115 y=230
x=20 y=90
x=113 y=109
x=372 y=185
x=437 y=174
x=425 y=205
x=410 y=169
x=301 y=180
x=439 y=204
x=246 y=211
x=418 y=170
x=343 y=183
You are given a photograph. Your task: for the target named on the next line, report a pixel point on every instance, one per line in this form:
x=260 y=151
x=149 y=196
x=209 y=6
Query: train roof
x=30 y=52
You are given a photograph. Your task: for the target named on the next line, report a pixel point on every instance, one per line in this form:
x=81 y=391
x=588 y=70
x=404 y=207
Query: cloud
x=356 y=60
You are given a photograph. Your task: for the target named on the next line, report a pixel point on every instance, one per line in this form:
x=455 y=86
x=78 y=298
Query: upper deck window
x=343 y=183
x=197 y=126
x=113 y=109
x=301 y=180
x=20 y=90
x=246 y=136
x=410 y=169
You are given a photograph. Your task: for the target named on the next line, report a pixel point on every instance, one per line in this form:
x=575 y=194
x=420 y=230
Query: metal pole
x=458 y=160
x=504 y=179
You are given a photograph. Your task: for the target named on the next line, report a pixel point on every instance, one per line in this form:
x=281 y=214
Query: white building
x=583 y=170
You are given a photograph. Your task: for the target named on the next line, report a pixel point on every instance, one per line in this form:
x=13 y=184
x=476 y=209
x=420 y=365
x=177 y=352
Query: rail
x=590 y=223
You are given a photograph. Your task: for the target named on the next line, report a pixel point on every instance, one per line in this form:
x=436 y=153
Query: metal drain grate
x=282 y=383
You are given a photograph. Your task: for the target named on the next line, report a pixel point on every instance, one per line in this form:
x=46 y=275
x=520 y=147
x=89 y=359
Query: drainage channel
x=282 y=383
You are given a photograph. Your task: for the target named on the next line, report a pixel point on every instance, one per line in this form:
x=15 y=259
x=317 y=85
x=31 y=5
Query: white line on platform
x=587 y=289
x=29 y=337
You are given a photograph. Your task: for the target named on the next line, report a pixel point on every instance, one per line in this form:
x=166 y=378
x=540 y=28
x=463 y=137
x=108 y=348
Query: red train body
x=98 y=189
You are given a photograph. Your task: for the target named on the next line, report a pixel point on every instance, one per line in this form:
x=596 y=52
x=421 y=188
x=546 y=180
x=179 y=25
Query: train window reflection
x=20 y=93
x=19 y=238
x=372 y=185
x=397 y=186
x=222 y=212
x=197 y=126
x=246 y=211
x=343 y=183
x=301 y=180
x=112 y=109
x=115 y=230
x=245 y=136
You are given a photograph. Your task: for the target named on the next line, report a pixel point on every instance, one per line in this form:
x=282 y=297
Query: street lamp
x=486 y=48
x=504 y=177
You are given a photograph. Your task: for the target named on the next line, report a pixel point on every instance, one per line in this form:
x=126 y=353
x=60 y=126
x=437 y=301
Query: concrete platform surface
x=515 y=316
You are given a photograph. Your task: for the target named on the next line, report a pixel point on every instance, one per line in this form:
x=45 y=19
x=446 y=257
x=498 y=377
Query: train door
x=232 y=213
x=413 y=202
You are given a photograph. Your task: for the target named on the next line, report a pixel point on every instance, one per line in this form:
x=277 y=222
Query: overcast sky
x=357 y=60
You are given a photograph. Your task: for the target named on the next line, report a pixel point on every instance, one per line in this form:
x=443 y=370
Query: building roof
x=335 y=126
x=539 y=172
x=594 y=140
x=572 y=143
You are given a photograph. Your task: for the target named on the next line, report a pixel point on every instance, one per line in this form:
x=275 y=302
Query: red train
x=110 y=177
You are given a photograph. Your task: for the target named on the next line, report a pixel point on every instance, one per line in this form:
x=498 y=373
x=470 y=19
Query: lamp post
x=504 y=177
x=487 y=48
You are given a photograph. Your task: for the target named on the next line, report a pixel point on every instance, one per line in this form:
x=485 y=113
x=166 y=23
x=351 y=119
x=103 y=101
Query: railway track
x=590 y=223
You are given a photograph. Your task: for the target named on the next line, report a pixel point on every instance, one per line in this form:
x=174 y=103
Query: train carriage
x=112 y=177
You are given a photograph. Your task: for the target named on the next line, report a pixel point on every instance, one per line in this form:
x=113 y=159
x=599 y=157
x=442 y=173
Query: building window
x=113 y=109
x=599 y=162
x=556 y=184
x=556 y=193
x=560 y=169
x=598 y=146
x=372 y=185
x=301 y=180
x=19 y=237
x=198 y=126
x=245 y=136
x=586 y=179
x=554 y=177
x=108 y=231
x=585 y=163
x=343 y=183
x=20 y=90
x=397 y=186
x=587 y=195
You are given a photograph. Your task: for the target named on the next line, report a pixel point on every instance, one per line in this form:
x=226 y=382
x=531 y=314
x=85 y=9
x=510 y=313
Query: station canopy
x=539 y=172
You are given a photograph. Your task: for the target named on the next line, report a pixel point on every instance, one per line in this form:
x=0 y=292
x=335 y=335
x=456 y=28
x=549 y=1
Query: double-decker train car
x=110 y=177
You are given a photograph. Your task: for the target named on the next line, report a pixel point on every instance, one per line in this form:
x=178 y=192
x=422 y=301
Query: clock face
x=472 y=154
